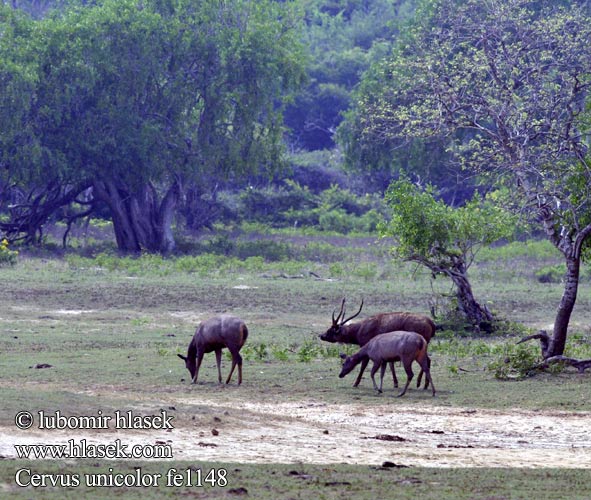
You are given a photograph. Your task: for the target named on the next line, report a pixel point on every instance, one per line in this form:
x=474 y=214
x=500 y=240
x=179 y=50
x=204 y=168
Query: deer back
x=221 y=331
x=395 y=345
x=396 y=321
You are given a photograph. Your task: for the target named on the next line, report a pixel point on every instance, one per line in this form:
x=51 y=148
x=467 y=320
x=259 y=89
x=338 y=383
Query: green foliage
x=437 y=235
x=280 y=353
x=130 y=98
x=343 y=39
x=495 y=83
x=515 y=361
x=309 y=350
x=556 y=274
x=445 y=239
x=7 y=257
x=333 y=210
x=534 y=249
x=269 y=250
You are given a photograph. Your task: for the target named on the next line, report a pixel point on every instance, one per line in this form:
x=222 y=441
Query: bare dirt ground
x=322 y=433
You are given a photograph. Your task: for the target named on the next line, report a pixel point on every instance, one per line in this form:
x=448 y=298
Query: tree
x=343 y=38
x=445 y=239
x=513 y=80
x=27 y=200
x=141 y=98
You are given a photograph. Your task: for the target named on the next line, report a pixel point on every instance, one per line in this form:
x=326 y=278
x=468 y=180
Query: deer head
x=190 y=363
x=333 y=334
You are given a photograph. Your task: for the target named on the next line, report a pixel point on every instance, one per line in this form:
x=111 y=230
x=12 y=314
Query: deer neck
x=350 y=334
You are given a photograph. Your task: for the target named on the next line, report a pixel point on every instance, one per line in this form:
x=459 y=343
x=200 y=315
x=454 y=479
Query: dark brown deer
x=388 y=347
x=213 y=335
x=362 y=332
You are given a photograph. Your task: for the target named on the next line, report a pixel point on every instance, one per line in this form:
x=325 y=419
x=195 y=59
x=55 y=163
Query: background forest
x=444 y=125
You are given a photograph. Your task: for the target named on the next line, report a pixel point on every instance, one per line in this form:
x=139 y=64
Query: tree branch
x=580 y=365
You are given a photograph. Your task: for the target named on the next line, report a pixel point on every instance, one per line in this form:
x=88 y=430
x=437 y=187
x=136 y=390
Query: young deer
x=362 y=332
x=386 y=347
x=213 y=335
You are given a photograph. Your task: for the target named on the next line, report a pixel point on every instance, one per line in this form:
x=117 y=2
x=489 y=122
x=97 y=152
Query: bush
x=515 y=361
x=556 y=273
x=7 y=257
x=308 y=351
x=270 y=250
x=334 y=209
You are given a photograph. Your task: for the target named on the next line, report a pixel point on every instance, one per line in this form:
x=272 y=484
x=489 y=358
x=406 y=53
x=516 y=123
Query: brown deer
x=388 y=347
x=362 y=332
x=213 y=335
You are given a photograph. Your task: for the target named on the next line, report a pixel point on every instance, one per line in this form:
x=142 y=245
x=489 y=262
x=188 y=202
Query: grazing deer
x=390 y=346
x=213 y=335
x=362 y=332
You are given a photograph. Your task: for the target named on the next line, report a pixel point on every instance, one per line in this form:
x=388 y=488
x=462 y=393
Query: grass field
x=88 y=335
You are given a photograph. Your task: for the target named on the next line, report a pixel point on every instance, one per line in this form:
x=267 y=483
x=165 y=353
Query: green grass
x=111 y=328
x=281 y=481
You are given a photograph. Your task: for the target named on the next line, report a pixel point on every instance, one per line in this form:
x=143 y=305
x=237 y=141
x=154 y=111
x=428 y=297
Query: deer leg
x=393 y=374
x=426 y=367
x=236 y=360
x=382 y=372
x=374 y=369
x=409 y=375
x=197 y=366
x=361 y=370
x=421 y=376
x=240 y=370
x=218 y=360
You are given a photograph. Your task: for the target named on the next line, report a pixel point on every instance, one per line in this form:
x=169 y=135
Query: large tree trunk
x=570 y=244
x=140 y=221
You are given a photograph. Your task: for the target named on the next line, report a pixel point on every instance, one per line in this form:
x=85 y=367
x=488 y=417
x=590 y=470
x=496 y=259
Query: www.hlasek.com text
x=84 y=449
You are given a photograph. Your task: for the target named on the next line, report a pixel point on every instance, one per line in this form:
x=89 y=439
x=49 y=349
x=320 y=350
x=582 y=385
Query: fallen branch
x=580 y=365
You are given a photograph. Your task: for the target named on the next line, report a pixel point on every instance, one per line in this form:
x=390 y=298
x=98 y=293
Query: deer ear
x=342 y=355
x=184 y=358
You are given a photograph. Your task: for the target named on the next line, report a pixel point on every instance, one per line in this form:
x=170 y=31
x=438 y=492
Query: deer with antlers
x=361 y=332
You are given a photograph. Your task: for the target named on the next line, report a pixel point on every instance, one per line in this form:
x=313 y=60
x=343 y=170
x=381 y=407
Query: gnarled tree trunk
x=455 y=269
x=476 y=314
x=141 y=222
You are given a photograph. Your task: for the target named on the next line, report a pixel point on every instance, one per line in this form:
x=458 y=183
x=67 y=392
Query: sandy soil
x=321 y=433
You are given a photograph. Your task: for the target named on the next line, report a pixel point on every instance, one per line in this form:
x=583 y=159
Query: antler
x=355 y=315
x=341 y=312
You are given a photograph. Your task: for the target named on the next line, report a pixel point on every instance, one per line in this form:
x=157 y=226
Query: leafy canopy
x=144 y=91
x=428 y=231
x=505 y=83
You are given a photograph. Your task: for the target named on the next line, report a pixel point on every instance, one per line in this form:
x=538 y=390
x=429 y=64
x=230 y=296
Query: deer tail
x=422 y=353
x=243 y=333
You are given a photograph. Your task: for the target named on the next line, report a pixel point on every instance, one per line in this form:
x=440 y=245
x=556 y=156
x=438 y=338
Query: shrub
x=555 y=274
x=255 y=351
x=269 y=250
x=309 y=350
x=7 y=257
x=515 y=361
x=551 y=274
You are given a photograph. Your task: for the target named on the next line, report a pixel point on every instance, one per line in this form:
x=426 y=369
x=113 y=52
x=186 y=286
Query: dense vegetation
x=172 y=118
